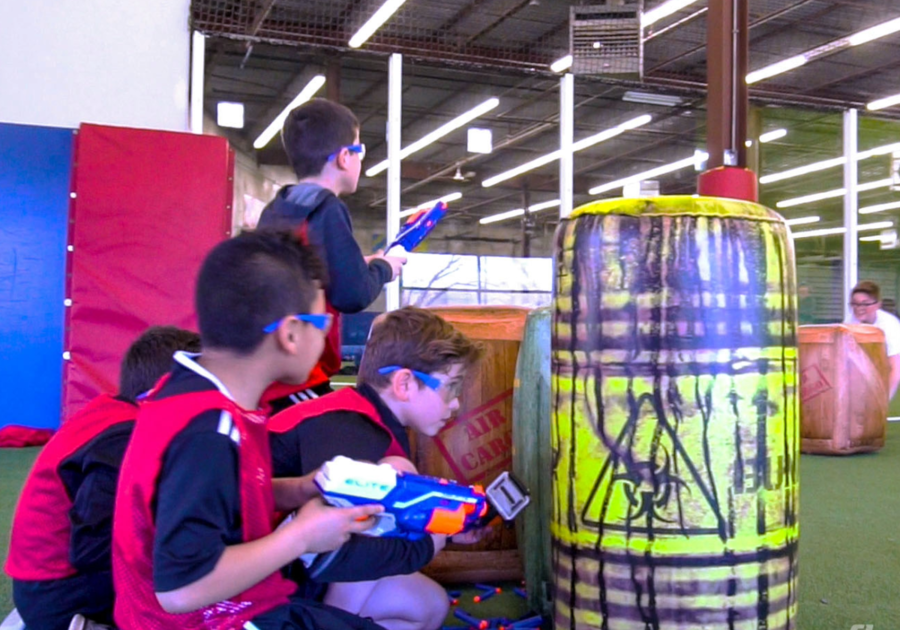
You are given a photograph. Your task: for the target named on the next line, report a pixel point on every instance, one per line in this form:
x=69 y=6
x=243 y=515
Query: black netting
x=532 y=34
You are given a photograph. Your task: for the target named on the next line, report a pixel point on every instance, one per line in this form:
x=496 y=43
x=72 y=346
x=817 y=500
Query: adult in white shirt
x=865 y=302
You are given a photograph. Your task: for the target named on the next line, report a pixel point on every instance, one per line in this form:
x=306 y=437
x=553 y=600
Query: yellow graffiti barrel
x=675 y=430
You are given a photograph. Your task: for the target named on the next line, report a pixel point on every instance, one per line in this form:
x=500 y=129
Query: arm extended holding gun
x=418 y=505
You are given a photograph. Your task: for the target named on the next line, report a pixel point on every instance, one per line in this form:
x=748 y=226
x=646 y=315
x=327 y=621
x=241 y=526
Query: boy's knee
x=435 y=604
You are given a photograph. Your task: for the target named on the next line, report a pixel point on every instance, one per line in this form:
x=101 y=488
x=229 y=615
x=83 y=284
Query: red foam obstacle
x=730 y=182
x=148 y=206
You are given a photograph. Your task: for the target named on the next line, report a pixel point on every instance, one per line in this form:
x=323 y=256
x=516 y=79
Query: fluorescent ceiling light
x=862 y=37
x=801 y=170
x=803 y=220
x=876 y=32
x=770 y=136
x=830 y=194
x=275 y=126
x=866 y=227
x=438 y=133
x=562 y=64
x=511 y=214
x=381 y=16
x=882 y=150
x=878 y=238
x=230 y=115
x=882 y=103
x=427 y=205
x=785 y=65
x=652 y=99
x=826 y=164
x=660 y=170
x=590 y=141
x=664 y=10
x=881 y=207
x=479 y=140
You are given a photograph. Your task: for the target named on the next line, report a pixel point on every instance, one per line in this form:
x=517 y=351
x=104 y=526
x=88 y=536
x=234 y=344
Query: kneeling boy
x=59 y=551
x=410 y=377
x=193 y=544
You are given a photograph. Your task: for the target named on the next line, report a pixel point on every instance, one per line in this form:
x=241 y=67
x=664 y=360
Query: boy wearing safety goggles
x=411 y=376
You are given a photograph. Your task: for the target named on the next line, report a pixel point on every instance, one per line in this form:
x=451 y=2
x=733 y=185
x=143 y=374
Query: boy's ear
x=401 y=385
x=286 y=338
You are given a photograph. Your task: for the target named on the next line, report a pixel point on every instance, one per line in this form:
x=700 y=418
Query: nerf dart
x=462 y=615
x=418 y=227
x=528 y=622
x=485 y=595
x=488 y=587
x=416 y=505
x=454 y=593
x=520 y=592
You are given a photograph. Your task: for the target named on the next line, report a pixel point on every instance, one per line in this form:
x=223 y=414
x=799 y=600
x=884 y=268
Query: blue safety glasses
x=322 y=321
x=359 y=149
x=430 y=381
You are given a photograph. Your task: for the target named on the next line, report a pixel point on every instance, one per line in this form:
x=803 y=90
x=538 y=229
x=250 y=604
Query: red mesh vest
x=347 y=399
x=41 y=531
x=134 y=531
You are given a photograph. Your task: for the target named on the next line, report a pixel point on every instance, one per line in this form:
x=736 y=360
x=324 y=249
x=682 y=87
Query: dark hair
x=150 y=356
x=869 y=288
x=252 y=280
x=417 y=339
x=314 y=131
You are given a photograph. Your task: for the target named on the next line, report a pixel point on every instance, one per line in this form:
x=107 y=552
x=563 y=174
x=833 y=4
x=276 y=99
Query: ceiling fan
x=459 y=176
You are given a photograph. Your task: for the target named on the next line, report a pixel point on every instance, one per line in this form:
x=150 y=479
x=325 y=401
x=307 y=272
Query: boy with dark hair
x=59 y=552
x=321 y=139
x=193 y=544
x=411 y=376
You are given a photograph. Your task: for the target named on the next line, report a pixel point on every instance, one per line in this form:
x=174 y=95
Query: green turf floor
x=849 y=540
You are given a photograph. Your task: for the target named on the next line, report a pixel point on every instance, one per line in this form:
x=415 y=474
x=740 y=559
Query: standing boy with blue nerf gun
x=410 y=377
x=321 y=139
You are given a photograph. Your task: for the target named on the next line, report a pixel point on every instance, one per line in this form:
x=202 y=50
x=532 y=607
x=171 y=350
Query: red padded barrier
x=148 y=207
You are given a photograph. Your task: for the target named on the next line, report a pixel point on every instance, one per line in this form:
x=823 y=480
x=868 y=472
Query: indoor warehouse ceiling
x=459 y=53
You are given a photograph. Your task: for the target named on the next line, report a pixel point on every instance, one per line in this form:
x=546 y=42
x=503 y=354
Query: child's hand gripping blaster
x=418 y=227
x=416 y=505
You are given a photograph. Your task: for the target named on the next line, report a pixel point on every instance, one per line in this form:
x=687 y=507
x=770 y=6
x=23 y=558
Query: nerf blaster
x=416 y=505
x=418 y=227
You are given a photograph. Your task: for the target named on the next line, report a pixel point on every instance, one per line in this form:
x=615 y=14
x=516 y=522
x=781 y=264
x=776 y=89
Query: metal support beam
x=527 y=221
x=851 y=205
x=198 y=65
x=754 y=130
x=727 y=30
x=333 y=80
x=566 y=140
x=394 y=131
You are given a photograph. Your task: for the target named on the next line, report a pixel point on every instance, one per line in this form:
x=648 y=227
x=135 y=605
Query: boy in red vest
x=321 y=139
x=193 y=542
x=411 y=376
x=59 y=552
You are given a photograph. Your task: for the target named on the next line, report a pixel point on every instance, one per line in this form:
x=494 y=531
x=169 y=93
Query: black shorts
x=51 y=604
x=304 y=614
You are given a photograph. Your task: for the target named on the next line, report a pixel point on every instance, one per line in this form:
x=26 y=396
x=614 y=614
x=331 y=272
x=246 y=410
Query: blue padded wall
x=35 y=176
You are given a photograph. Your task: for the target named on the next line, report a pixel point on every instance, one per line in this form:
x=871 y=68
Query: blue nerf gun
x=418 y=227
x=417 y=505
